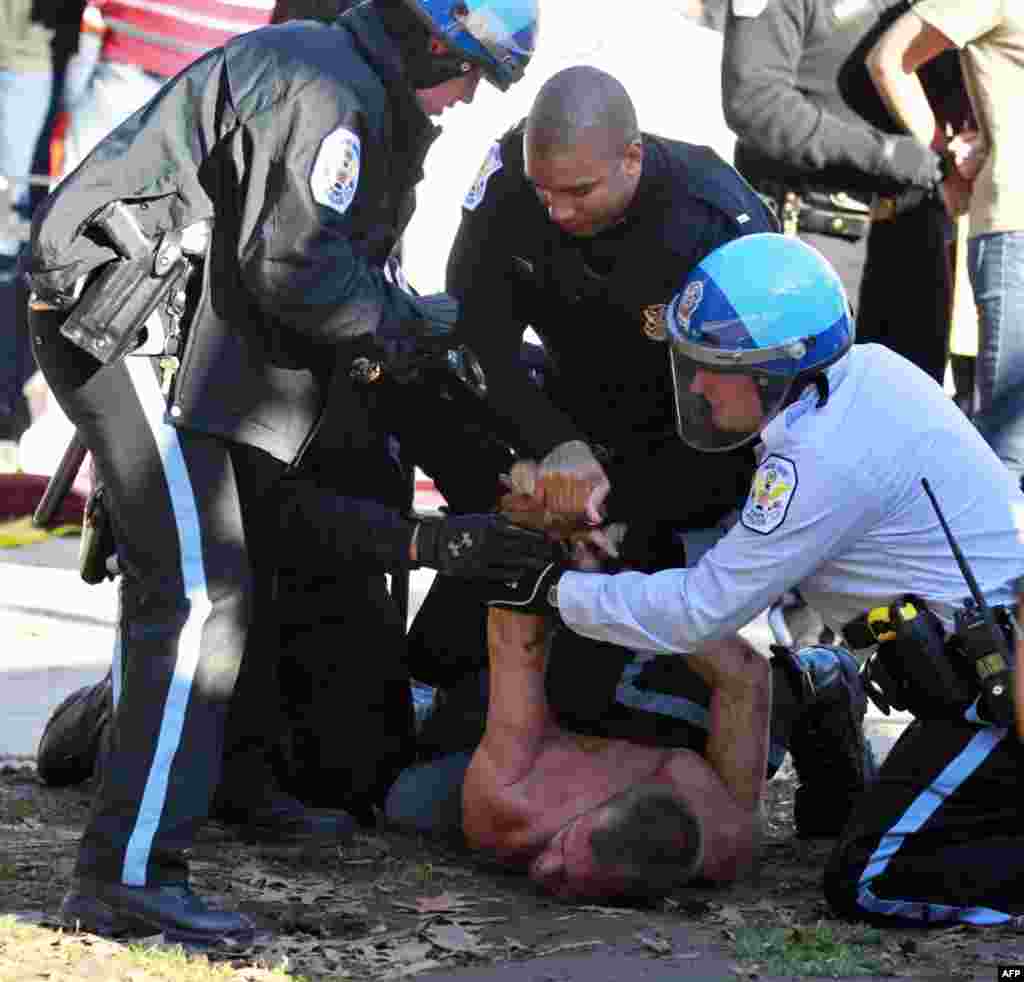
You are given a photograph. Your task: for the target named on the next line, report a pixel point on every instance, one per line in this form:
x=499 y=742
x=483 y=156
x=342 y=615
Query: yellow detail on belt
x=880 y=620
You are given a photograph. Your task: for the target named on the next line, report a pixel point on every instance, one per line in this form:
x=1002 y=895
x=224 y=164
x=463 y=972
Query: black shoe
x=114 y=910
x=834 y=763
x=70 y=742
x=277 y=819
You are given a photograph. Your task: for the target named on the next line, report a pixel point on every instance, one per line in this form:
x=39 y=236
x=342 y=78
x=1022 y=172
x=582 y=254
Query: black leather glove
x=401 y=347
x=486 y=547
x=530 y=592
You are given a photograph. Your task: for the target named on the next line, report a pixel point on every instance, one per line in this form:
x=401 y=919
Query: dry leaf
x=731 y=915
x=652 y=943
x=452 y=937
x=408 y=951
x=568 y=946
x=440 y=904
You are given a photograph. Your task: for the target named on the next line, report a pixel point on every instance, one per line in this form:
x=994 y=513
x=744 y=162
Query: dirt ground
x=393 y=906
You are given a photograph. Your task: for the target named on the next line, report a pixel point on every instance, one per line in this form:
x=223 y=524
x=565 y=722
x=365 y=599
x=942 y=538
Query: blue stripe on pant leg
x=913 y=819
x=193 y=576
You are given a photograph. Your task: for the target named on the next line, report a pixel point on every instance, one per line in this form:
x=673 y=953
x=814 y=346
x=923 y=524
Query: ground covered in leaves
x=393 y=906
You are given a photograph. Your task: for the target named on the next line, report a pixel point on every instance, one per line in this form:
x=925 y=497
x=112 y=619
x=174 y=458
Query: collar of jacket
x=380 y=51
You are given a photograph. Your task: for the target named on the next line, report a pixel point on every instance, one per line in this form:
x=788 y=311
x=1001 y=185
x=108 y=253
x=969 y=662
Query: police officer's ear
x=633 y=159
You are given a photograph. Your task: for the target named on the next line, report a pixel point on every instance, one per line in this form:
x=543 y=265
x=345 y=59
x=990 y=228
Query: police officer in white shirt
x=761 y=342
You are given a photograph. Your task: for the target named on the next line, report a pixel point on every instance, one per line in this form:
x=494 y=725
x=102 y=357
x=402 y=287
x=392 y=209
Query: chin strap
x=423 y=70
x=821 y=384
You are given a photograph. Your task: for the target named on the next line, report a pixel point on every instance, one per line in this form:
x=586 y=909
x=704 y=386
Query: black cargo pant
x=184 y=509
x=939 y=838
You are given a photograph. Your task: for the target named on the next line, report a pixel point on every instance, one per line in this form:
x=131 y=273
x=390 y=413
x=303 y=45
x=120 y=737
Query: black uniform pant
x=905 y=294
x=848 y=258
x=940 y=837
x=186 y=600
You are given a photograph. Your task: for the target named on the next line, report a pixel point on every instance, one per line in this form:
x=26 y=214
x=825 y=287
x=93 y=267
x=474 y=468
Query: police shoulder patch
x=770 y=494
x=491 y=165
x=335 y=176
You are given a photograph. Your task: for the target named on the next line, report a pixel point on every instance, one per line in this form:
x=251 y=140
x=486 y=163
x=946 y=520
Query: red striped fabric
x=164 y=37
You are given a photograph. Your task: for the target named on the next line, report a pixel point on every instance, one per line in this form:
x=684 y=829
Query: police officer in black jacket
x=814 y=137
x=577 y=225
x=301 y=145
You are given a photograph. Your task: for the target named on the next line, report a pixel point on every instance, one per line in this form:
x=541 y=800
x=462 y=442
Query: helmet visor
x=725 y=395
x=499 y=36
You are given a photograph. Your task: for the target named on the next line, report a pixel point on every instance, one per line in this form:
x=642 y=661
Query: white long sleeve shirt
x=836 y=508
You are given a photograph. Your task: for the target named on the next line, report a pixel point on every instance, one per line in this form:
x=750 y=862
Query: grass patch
x=21 y=808
x=820 y=950
x=31 y=952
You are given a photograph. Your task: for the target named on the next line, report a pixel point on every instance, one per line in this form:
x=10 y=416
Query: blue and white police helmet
x=766 y=306
x=499 y=36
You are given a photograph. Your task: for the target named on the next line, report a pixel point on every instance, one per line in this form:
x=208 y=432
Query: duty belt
x=873 y=627
x=834 y=214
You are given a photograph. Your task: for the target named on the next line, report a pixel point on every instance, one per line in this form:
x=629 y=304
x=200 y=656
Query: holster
x=97 y=548
x=109 y=318
x=914 y=667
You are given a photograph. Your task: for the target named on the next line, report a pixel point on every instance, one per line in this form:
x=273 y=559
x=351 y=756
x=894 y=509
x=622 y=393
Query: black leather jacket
x=286 y=279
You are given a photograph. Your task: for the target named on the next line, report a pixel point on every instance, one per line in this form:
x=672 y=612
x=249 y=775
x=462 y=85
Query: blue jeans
x=427 y=798
x=996 y=266
x=24 y=107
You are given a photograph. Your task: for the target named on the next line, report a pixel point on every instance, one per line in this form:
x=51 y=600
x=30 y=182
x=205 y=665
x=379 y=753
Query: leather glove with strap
x=529 y=592
x=487 y=547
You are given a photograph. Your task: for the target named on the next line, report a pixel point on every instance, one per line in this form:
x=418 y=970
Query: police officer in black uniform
x=589 y=265
x=814 y=137
x=300 y=144
x=576 y=229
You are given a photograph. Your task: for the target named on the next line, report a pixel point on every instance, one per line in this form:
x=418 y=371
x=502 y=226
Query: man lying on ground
x=603 y=817
x=594 y=817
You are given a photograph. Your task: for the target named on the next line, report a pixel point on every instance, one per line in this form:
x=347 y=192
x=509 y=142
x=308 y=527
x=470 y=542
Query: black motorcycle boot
x=173 y=910
x=68 y=749
x=251 y=804
x=834 y=762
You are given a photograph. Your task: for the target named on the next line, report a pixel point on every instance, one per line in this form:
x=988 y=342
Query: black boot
x=252 y=805
x=834 y=763
x=115 y=910
x=70 y=742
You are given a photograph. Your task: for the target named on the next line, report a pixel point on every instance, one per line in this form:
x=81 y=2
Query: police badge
x=688 y=302
x=654 y=321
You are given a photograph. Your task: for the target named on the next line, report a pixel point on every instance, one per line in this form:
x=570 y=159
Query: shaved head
x=581 y=104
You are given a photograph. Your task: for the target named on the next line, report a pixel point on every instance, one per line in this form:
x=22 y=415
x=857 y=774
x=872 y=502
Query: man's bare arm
x=740 y=711
x=518 y=716
x=908 y=44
